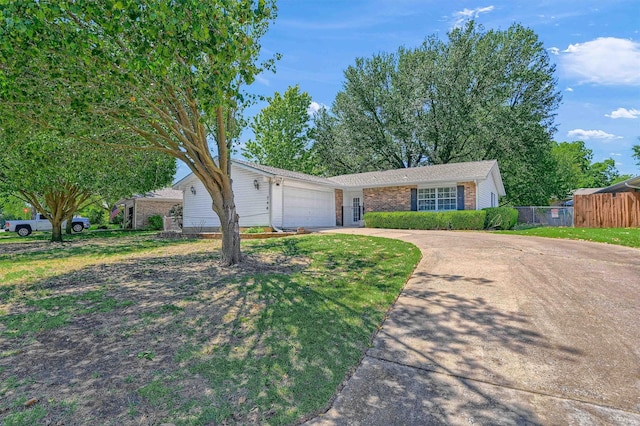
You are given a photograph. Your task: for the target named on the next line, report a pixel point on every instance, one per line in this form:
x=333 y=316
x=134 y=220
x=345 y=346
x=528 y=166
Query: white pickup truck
x=26 y=227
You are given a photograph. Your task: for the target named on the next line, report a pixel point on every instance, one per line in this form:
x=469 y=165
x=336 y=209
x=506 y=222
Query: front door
x=356 y=211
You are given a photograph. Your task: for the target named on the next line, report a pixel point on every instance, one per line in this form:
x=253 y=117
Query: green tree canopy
x=58 y=177
x=478 y=95
x=636 y=154
x=101 y=71
x=282 y=133
x=575 y=169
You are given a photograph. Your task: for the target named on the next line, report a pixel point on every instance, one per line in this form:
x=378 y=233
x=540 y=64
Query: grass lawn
x=133 y=329
x=621 y=236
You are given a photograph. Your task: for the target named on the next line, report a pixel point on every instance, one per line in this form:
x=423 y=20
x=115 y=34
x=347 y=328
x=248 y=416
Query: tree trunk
x=56 y=231
x=230 y=234
x=69 y=224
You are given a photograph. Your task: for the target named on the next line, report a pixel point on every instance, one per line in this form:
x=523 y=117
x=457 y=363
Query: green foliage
x=480 y=95
x=96 y=214
x=459 y=219
x=282 y=133
x=156 y=222
x=636 y=154
x=254 y=230
x=144 y=75
x=500 y=217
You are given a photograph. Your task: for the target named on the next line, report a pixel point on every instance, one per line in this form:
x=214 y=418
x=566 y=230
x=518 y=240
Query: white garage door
x=308 y=207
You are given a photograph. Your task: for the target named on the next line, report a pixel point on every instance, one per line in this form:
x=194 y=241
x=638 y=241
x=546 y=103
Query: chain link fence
x=545 y=215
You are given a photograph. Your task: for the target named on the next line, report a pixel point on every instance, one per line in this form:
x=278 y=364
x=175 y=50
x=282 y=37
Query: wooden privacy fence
x=609 y=210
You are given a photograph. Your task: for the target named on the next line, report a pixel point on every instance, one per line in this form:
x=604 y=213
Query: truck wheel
x=77 y=227
x=23 y=231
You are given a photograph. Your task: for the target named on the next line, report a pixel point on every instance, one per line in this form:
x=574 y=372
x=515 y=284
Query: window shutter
x=460 y=197
x=414 y=199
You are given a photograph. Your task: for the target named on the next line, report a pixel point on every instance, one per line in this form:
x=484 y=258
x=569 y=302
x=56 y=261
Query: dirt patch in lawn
x=105 y=343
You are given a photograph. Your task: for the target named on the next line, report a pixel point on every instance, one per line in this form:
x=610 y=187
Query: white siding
x=252 y=204
x=485 y=188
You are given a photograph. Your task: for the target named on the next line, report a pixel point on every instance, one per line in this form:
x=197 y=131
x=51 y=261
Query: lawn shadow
x=177 y=337
x=441 y=357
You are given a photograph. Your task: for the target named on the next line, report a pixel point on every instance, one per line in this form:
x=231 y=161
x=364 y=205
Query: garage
x=306 y=206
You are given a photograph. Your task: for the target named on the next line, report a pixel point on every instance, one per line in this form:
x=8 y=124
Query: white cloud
x=624 y=113
x=615 y=154
x=315 y=107
x=461 y=16
x=554 y=50
x=569 y=89
x=605 y=60
x=591 y=134
x=262 y=80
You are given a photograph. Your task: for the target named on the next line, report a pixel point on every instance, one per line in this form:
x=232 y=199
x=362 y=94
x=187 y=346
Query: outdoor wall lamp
x=193 y=190
x=256 y=184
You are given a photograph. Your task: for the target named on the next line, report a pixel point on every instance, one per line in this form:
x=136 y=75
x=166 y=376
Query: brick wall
x=390 y=199
x=146 y=208
x=339 y=201
x=469 y=195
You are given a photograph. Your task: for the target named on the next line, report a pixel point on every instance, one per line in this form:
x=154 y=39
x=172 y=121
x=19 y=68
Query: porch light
x=193 y=190
x=256 y=184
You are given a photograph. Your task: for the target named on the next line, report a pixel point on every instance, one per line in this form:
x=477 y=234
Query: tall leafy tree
x=636 y=154
x=576 y=169
x=478 y=95
x=58 y=177
x=168 y=73
x=282 y=132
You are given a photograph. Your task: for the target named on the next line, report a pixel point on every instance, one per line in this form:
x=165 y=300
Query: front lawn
x=135 y=329
x=629 y=237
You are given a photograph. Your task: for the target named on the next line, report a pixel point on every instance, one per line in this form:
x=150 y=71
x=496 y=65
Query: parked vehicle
x=40 y=223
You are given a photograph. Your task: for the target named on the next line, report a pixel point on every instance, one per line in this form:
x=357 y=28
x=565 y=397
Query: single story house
x=616 y=206
x=282 y=199
x=138 y=208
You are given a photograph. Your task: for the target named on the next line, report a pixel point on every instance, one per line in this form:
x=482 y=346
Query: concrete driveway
x=500 y=329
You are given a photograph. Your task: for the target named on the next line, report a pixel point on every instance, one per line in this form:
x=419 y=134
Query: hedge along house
x=139 y=208
x=281 y=199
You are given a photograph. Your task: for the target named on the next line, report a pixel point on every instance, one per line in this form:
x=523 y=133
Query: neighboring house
x=616 y=206
x=267 y=196
x=138 y=208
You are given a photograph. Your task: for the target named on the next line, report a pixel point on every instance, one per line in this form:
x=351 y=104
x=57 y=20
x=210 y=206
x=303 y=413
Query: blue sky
x=595 y=45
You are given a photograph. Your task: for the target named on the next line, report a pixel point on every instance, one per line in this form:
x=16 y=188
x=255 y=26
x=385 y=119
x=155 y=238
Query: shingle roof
x=286 y=173
x=454 y=172
x=627 y=185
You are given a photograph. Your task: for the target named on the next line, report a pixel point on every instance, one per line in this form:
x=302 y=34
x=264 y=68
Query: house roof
x=453 y=172
x=159 y=194
x=624 y=186
x=585 y=191
x=274 y=171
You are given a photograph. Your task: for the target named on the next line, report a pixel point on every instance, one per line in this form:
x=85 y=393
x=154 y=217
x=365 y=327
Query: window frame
x=435 y=197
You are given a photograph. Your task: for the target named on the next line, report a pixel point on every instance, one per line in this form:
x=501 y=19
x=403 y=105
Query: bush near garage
x=459 y=219
x=156 y=223
x=500 y=217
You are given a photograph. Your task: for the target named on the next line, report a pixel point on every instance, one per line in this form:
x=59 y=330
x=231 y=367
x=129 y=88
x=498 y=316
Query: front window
x=433 y=199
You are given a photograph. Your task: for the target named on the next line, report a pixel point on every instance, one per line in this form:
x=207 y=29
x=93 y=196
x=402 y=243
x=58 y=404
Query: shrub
x=459 y=219
x=500 y=217
x=156 y=222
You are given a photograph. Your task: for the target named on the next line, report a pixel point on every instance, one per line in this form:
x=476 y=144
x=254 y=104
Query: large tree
x=636 y=154
x=282 y=132
x=58 y=177
x=168 y=73
x=576 y=169
x=478 y=95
